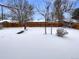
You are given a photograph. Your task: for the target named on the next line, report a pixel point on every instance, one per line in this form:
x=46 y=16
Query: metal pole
x=51 y=28
x=2 y=12
x=45 y=27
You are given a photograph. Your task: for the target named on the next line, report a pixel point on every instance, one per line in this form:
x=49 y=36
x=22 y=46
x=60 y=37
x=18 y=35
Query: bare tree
x=58 y=11
x=44 y=10
x=62 y=6
x=24 y=11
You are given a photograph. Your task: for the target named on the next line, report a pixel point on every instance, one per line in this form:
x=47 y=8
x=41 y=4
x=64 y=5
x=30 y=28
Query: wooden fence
x=40 y=24
x=33 y=24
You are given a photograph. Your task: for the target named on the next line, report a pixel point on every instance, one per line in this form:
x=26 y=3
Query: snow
x=42 y=20
x=34 y=44
x=70 y=20
x=10 y=21
x=5 y=21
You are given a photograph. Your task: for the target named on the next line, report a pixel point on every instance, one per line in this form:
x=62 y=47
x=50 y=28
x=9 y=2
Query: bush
x=61 y=32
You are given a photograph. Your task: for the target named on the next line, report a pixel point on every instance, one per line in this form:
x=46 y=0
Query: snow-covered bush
x=61 y=32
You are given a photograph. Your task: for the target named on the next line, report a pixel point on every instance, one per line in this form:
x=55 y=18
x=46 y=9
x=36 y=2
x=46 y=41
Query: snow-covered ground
x=34 y=44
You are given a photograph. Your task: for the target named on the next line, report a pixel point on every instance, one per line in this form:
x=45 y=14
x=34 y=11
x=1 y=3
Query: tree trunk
x=25 y=25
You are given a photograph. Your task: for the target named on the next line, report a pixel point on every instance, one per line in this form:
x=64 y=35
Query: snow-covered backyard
x=34 y=44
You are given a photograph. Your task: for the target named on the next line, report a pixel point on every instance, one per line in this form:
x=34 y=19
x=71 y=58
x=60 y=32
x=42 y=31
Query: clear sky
x=34 y=2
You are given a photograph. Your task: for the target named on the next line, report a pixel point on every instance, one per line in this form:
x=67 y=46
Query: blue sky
x=34 y=2
x=38 y=16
